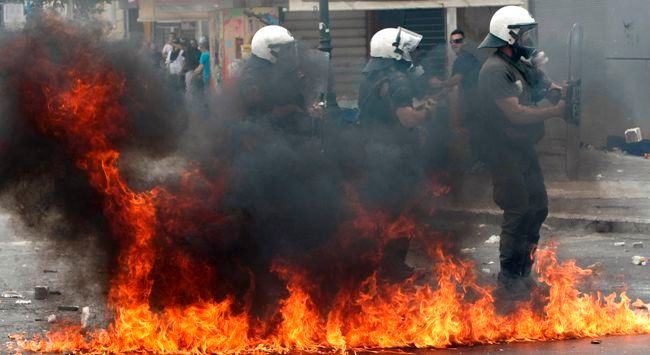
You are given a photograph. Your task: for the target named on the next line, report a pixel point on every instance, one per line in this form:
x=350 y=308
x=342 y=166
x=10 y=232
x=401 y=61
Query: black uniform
x=518 y=181
x=393 y=161
x=265 y=87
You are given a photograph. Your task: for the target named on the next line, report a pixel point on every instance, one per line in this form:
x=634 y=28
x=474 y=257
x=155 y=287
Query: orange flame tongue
x=88 y=116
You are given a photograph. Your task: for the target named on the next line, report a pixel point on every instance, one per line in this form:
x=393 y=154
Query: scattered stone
x=51 y=318
x=595 y=341
x=467 y=250
x=638 y=260
x=39 y=319
x=85 y=315
x=481 y=225
x=493 y=239
x=620 y=171
x=486 y=271
x=58 y=293
x=599 y=176
x=40 y=292
x=23 y=301
x=49 y=271
x=619 y=244
x=11 y=294
x=68 y=308
x=637 y=245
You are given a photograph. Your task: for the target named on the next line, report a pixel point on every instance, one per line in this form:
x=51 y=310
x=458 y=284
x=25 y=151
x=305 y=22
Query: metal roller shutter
x=348 y=42
x=430 y=23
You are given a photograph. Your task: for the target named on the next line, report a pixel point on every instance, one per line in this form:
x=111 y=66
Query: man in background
x=464 y=78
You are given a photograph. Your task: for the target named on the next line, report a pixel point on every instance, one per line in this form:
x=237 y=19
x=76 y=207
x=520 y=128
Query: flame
x=453 y=309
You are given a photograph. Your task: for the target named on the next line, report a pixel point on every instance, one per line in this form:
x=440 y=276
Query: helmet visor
x=526 y=35
x=408 y=41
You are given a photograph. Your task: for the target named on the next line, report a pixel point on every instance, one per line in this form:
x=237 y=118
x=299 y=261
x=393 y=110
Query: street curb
x=555 y=220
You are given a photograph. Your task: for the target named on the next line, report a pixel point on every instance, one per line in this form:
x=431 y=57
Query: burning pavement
x=252 y=245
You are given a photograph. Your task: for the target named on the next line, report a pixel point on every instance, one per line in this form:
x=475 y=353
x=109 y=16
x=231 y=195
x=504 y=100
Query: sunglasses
x=457 y=41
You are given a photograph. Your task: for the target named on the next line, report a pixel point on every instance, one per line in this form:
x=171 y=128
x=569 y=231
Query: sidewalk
x=612 y=195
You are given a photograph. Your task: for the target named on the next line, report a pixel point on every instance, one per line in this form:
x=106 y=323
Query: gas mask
x=525 y=45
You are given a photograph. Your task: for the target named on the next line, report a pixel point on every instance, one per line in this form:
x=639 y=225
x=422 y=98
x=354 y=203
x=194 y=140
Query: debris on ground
x=40 y=292
x=486 y=271
x=488 y=262
x=11 y=294
x=68 y=308
x=599 y=176
x=467 y=250
x=55 y=292
x=23 y=301
x=595 y=341
x=596 y=267
x=85 y=315
x=49 y=271
x=638 y=260
x=16 y=337
x=51 y=318
x=619 y=244
x=493 y=239
x=637 y=245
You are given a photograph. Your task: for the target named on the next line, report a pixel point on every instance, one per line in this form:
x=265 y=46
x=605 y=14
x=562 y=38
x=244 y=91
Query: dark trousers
x=520 y=192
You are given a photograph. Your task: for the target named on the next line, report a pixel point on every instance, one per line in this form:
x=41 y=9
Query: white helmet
x=268 y=37
x=394 y=43
x=508 y=26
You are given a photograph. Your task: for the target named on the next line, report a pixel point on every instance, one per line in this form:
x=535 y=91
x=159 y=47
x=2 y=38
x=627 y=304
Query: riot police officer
x=510 y=88
x=269 y=81
x=387 y=90
x=392 y=120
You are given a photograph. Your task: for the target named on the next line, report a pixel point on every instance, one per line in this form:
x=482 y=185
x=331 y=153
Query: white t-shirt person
x=176 y=65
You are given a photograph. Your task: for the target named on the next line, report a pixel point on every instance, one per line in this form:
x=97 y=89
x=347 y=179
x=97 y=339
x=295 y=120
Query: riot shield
x=573 y=111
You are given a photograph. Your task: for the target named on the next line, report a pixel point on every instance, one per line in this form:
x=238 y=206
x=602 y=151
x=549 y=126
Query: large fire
x=84 y=113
